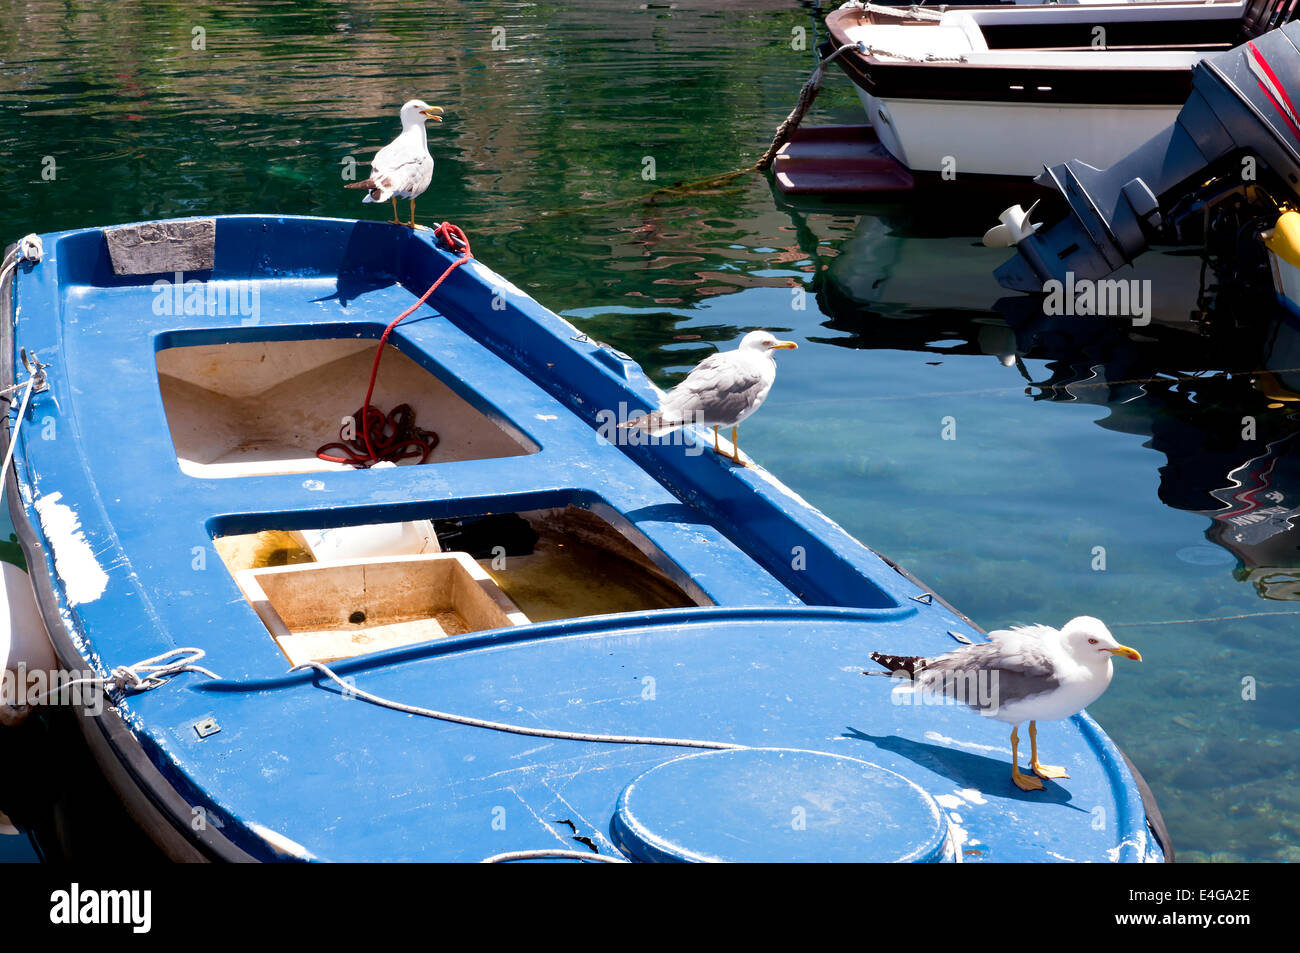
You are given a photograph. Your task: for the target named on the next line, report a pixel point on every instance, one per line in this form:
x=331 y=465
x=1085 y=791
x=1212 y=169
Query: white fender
x=23 y=638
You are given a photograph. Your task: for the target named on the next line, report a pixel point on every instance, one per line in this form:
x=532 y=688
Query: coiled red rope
x=393 y=436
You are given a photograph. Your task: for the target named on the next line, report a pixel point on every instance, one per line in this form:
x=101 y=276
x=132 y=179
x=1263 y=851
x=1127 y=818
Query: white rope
x=28 y=248
x=142 y=676
x=27 y=386
x=351 y=689
x=928 y=58
x=540 y=854
x=909 y=13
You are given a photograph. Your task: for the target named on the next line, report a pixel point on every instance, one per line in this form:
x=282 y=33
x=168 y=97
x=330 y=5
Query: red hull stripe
x=1272 y=88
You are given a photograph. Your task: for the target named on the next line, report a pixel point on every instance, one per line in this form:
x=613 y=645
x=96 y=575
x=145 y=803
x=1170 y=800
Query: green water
x=894 y=310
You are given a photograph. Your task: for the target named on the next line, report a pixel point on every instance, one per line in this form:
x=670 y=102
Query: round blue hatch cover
x=777 y=804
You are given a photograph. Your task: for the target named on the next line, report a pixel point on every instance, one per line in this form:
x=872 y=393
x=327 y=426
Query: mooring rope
x=783 y=133
x=142 y=676
x=394 y=434
x=1211 y=618
x=351 y=689
x=806 y=97
x=914 y=12
x=27 y=248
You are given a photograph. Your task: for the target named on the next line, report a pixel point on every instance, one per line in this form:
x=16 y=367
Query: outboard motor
x=1237 y=140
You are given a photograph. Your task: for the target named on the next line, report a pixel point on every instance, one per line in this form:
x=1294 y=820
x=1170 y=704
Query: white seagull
x=1033 y=673
x=721 y=391
x=403 y=168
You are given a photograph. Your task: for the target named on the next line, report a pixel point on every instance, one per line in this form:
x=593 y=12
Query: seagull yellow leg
x=735 y=446
x=396 y=220
x=715 y=441
x=1042 y=770
x=1022 y=781
x=413 y=213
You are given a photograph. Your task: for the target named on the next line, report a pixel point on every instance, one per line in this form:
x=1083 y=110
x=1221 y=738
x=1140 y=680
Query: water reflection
x=1216 y=393
x=541 y=160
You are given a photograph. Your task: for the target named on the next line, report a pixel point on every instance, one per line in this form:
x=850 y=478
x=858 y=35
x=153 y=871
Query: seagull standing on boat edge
x=1035 y=673
x=721 y=391
x=403 y=168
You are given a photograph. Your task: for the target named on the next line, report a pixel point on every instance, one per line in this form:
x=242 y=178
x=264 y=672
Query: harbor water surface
x=1030 y=468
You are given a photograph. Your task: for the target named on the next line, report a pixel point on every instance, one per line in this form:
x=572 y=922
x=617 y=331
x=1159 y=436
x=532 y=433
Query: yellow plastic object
x=1285 y=240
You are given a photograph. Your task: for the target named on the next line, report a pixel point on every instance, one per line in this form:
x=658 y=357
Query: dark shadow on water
x=964 y=769
x=53 y=792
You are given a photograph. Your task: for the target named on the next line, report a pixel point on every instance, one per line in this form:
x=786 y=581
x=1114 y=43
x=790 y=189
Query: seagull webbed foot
x=1024 y=781
x=730 y=455
x=1042 y=770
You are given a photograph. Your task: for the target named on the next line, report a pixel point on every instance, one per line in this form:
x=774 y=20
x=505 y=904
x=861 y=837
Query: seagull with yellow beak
x=403 y=168
x=1026 y=673
x=721 y=391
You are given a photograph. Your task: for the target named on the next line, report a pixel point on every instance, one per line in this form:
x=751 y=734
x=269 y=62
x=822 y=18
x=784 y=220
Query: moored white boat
x=1004 y=90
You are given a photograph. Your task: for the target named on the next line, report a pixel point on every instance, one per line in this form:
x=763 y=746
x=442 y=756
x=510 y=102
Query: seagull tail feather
x=911 y=664
x=376 y=191
x=656 y=423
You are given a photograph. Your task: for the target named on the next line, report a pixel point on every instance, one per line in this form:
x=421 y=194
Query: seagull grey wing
x=991 y=675
x=719 y=391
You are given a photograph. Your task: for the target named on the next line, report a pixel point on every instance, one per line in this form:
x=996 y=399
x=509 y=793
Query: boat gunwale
x=611 y=624
x=152 y=799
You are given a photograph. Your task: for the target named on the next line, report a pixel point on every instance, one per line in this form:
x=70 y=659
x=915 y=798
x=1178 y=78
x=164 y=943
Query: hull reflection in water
x=1214 y=394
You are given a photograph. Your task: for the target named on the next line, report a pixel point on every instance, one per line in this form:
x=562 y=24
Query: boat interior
x=265 y=407
x=329 y=594
x=1097 y=35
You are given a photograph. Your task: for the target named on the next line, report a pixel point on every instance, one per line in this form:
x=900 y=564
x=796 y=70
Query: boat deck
x=120 y=538
x=571 y=465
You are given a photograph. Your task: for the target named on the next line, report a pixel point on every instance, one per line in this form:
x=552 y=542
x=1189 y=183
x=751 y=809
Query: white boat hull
x=1009 y=139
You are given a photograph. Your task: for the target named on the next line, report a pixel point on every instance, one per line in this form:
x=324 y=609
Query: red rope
x=394 y=436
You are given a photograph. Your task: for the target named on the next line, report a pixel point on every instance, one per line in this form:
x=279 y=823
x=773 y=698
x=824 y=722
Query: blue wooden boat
x=641 y=651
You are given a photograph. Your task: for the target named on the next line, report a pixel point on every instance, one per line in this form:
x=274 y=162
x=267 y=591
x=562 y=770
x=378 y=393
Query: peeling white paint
x=958 y=838
x=953 y=742
x=1068 y=860
x=282 y=845
x=1137 y=840
x=74 y=561
x=972 y=795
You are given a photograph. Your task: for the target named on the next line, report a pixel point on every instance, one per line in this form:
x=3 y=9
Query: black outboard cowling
x=1238 y=134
